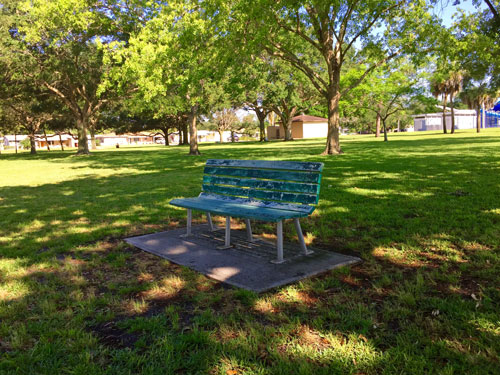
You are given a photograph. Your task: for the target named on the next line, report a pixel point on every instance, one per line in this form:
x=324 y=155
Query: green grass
x=423 y=211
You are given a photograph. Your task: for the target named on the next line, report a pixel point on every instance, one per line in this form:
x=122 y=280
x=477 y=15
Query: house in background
x=112 y=139
x=54 y=140
x=464 y=119
x=303 y=126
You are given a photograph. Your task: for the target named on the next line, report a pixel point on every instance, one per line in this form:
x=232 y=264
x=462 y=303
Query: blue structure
x=492 y=117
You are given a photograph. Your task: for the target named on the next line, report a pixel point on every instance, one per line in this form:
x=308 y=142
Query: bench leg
x=227 y=237
x=279 y=246
x=249 y=230
x=189 y=219
x=211 y=225
x=301 y=237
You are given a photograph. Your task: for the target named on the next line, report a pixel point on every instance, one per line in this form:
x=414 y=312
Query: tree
x=454 y=86
x=388 y=91
x=25 y=105
x=438 y=87
x=251 y=85
x=248 y=125
x=59 y=43
x=479 y=44
x=172 y=60
x=291 y=94
x=224 y=120
x=332 y=29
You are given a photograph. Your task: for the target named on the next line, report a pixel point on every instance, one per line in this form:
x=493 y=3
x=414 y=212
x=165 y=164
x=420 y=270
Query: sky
x=447 y=9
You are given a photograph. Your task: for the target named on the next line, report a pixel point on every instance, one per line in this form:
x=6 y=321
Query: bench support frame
x=301 y=237
x=249 y=231
x=227 y=236
x=211 y=225
x=189 y=220
x=279 y=243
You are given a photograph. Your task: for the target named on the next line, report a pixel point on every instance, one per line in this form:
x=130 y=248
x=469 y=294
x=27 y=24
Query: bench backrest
x=287 y=185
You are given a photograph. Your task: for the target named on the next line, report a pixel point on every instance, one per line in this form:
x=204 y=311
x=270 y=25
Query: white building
x=103 y=140
x=303 y=126
x=54 y=140
x=464 y=119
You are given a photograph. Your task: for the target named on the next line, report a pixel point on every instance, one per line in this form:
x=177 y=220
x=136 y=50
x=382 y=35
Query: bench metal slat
x=261 y=194
x=263 y=173
x=283 y=196
x=260 y=203
x=263 y=184
x=268 y=164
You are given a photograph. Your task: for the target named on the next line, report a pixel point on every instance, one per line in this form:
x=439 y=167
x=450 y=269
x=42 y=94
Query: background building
x=464 y=119
x=303 y=126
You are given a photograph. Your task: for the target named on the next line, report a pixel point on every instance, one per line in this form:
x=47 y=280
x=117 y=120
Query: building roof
x=307 y=118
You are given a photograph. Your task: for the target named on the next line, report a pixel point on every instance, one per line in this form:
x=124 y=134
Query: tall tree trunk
x=83 y=146
x=261 y=116
x=444 y=114
x=61 y=142
x=385 y=131
x=193 y=133
x=452 y=114
x=262 y=130
x=286 y=116
x=46 y=140
x=377 y=126
x=180 y=135
x=164 y=132
x=399 y=125
x=232 y=136
x=32 y=144
x=287 y=124
x=93 y=143
x=185 y=139
x=220 y=136
x=478 y=119
x=167 y=141
x=15 y=140
x=332 y=140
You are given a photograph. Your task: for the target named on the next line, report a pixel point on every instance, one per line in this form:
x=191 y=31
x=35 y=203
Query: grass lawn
x=423 y=211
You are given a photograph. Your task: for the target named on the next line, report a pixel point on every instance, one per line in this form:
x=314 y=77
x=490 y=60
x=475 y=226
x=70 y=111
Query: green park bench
x=257 y=189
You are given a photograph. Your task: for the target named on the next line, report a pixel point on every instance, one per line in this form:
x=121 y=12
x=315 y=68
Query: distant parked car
x=236 y=138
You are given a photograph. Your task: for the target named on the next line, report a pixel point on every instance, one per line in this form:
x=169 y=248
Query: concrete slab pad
x=246 y=265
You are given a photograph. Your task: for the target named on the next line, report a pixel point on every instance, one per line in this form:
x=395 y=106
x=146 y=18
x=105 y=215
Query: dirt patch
x=111 y=335
x=310 y=337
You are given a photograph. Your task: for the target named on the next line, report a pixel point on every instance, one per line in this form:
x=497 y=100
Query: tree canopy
x=163 y=66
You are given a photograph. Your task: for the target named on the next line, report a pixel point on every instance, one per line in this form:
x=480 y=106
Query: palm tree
x=454 y=86
x=438 y=87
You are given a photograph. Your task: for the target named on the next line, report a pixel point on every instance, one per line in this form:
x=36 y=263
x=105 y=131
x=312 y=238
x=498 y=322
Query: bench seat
x=245 y=210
